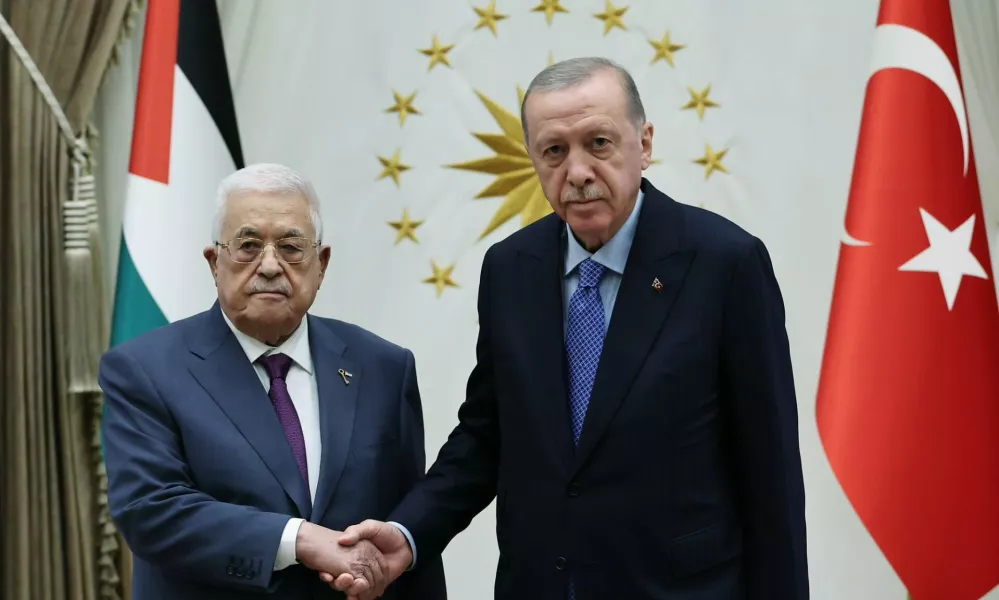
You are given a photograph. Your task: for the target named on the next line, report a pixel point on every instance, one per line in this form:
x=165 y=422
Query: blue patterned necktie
x=584 y=341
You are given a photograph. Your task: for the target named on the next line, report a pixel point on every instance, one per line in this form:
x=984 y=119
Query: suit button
x=239 y=572
x=573 y=489
x=251 y=574
x=231 y=570
x=560 y=563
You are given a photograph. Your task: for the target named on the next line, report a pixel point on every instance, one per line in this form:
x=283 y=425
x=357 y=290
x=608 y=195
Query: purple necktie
x=277 y=366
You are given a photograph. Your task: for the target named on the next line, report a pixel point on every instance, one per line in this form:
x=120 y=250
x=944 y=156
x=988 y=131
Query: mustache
x=589 y=192
x=276 y=286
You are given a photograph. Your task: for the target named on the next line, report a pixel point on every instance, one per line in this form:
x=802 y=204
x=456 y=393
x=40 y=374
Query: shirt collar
x=296 y=346
x=612 y=255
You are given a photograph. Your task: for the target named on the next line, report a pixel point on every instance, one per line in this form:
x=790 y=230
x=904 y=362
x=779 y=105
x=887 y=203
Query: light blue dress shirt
x=409 y=538
x=613 y=256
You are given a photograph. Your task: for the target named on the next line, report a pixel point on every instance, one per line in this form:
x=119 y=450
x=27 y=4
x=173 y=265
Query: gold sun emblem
x=515 y=179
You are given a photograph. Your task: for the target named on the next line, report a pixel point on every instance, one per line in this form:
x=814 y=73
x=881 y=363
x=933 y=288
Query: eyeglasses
x=246 y=250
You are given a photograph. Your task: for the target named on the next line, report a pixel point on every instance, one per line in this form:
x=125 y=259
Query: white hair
x=267 y=178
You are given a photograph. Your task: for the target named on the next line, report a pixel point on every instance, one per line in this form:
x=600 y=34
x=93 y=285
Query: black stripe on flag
x=201 y=57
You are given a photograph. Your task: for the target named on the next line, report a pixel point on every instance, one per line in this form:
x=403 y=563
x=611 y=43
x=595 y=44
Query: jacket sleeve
x=758 y=388
x=462 y=482
x=161 y=514
x=426 y=580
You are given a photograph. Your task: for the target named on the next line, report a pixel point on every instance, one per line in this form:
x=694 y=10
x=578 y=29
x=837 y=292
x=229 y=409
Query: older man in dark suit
x=239 y=442
x=635 y=417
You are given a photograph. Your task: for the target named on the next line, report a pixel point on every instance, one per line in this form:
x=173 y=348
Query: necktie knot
x=590 y=273
x=276 y=365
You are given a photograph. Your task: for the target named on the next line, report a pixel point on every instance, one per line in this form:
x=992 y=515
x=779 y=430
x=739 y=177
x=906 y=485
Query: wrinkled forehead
x=598 y=100
x=267 y=216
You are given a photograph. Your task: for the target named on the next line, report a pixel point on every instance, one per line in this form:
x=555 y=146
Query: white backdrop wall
x=311 y=80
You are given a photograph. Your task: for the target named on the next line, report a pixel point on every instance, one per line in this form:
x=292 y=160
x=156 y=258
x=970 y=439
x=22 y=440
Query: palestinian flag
x=185 y=140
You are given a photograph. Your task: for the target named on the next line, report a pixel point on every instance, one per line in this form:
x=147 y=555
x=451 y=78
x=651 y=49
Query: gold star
x=665 y=49
x=550 y=7
x=551 y=58
x=404 y=106
x=612 y=17
x=437 y=53
x=700 y=101
x=406 y=227
x=712 y=161
x=515 y=179
x=392 y=167
x=441 y=278
x=488 y=17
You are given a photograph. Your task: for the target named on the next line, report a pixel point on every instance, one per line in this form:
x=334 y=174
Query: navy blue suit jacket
x=202 y=480
x=687 y=480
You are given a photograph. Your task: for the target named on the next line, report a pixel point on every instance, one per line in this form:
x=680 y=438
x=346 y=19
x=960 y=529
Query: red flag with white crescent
x=908 y=399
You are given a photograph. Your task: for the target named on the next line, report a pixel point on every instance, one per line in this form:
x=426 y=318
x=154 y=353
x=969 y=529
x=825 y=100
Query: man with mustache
x=241 y=441
x=632 y=410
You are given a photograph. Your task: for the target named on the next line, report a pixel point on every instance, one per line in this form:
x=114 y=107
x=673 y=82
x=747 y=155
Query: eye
x=553 y=149
x=600 y=142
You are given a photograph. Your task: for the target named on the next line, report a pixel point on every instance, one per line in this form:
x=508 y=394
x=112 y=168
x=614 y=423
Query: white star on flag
x=949 y=255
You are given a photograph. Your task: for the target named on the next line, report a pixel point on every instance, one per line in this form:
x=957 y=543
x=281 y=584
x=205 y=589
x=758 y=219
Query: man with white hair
x=239 y=442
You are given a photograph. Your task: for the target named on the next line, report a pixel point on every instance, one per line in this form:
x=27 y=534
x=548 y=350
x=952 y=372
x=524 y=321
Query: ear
x=212 y=256
x=646 y=143
x=324 y=261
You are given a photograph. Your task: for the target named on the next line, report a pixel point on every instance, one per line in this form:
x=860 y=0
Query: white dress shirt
x=304 y=391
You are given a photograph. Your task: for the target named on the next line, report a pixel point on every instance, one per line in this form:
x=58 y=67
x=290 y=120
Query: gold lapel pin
x=346 y=376
x=656 y=285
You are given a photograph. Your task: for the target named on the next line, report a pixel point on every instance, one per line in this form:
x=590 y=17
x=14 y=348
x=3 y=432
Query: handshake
x=361 y=562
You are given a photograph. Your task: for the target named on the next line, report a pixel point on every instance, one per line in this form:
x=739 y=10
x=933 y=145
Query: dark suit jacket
x=202 y=480
x=687 y=480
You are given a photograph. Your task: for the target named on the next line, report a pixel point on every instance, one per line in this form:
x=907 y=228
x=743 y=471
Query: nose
x=269 y=266
x=579 y=173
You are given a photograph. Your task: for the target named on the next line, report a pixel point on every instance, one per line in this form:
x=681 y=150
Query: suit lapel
x=639 y=312
x=544 y=272
x=229 y=378
x=337 y=407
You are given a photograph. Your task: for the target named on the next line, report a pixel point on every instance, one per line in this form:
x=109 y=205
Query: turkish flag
x=908 y=399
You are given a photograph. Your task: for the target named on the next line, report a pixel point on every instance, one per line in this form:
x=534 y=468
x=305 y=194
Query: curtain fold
x=57 y=542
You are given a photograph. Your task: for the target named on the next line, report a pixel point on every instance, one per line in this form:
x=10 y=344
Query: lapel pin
x=656 y=285
x=346 y=376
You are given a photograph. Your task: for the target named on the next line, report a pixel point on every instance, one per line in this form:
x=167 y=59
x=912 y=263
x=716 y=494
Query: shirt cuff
x=412 y=544
x=286 y=554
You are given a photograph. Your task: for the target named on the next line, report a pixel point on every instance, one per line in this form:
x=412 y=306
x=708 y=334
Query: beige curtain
x=57 y=542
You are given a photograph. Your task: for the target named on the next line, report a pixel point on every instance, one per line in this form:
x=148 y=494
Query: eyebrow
x=247 y=232
x=601 y=128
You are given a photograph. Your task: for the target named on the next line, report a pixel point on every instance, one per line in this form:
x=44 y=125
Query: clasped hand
x=362 y=561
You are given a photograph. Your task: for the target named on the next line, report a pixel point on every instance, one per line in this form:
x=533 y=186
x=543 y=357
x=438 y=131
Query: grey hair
x=267 y=178
x=574 y=71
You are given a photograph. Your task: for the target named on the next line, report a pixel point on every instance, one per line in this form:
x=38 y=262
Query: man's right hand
x=390 y=542
x=358 y=567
